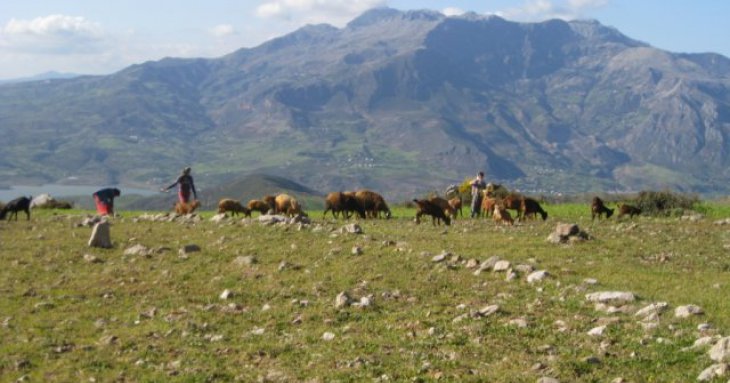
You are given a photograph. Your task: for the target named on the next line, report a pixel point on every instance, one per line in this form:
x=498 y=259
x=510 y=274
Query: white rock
x=611 y=296
x=501 y=266
x=356 y=250
x=488 y=310
x=720 y=352
x=597 y=331
x=537 y=276
x=590 y=281
x=328 y=336
x=100 y=236
x=226 y=294
x=92 y=258
x=342 y=300
x=137 y=250
x=366 y=302
x=712 y=372
x=440 y=257
x=219 y=218
x=687 y=311
x=546 y=379
x=654 y=308
x=352 y=228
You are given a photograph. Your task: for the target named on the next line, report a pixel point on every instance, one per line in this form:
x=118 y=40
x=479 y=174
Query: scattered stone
x=692 y=216
x=501 y=266
x=546 y=379
x=725 y=221
x=100 y=236
x=108 y=340
x=537 y=276
x=218 y=218
x=511 y=275
x=597 y=331
x=365 y=302
x=715 y=371
x=328 y=336
x=92 y=258
x=226 y=294
x=488 y=310
x=654 y=308
x=440 y=257
x=352 y=228
x=138 y=250
x=567 y=232
x=592 y=360
x=246 y=260
x=258 y=331
x=687 y=311
x=472 y=263
x=590 y=281
x=611 y=297
x=356 y=250
x=704 y=327
x=720 y=352
x=271 y=219
x=342 y=300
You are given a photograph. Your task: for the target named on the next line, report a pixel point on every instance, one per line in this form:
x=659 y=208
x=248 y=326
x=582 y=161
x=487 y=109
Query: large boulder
x=101 y=236
x=567 y=232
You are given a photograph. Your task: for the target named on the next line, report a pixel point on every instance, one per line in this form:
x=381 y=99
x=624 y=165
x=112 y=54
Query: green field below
x=160 y=317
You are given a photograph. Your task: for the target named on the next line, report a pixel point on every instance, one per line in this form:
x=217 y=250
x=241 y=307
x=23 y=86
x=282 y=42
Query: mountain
x=400 y=102
x=52 y=75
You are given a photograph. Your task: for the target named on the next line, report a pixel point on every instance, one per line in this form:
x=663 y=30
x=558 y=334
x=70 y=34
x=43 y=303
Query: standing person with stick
x=477 y=185
x=185 y=186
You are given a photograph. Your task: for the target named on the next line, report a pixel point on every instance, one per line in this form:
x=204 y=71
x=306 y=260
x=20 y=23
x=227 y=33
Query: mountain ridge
x=395 y=101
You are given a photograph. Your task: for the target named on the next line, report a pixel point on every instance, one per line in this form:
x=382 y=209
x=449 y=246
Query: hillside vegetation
x=258 y=301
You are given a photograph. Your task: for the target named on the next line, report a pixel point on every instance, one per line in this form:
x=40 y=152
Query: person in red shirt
x=185 y=186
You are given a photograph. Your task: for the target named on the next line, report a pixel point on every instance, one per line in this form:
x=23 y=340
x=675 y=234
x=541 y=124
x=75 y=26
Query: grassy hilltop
x=73 y=313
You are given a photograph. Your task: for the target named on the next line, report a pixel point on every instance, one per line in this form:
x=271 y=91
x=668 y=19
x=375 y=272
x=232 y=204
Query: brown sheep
x=287 y=204
x=235 y=207
x=345 y=203
x=488 y=205
x=182 y=208
x=429 y=208
x=456 y=204
x=502 y=215
x=631 y=211
x=598 y=209
x=372 y=203
x=530 y=207
x=258 y=205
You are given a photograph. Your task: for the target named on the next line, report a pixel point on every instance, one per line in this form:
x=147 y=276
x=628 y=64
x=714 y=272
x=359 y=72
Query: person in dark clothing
x=477 y=185
x=104 y=199
x=185 y=186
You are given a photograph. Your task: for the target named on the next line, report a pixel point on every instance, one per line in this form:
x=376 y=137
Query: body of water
x=59 y=191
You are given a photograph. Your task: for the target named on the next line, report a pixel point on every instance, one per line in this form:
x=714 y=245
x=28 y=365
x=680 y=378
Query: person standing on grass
x=104 y=199
x=477 y=185
x=185 y=187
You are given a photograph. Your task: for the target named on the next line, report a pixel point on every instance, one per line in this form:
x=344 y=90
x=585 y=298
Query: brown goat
x=598 y=209
x=235 y=207
x=513 y=202
x=258 y=205
x=488 y=205
x=182 y=208
x=456 y=203
x=502 y=215
x=426 y=207
x=631 y=211
x=345 y=203
x=444 y=205
x=271 y=201
x=530 y=207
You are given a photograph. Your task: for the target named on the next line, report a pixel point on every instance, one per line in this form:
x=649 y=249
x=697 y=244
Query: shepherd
x=477 y=185
x=185 y=186
x=104 y=199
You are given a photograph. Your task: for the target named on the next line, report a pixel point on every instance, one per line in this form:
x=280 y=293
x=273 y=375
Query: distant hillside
x=400 y=102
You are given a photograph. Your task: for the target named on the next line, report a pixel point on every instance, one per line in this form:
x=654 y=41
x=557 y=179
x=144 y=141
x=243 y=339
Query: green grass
x=62 y=309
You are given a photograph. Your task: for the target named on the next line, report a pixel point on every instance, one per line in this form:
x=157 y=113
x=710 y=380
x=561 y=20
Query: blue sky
x=100 y=37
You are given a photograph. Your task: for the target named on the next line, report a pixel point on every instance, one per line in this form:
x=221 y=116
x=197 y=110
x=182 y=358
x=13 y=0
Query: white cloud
x=535 y=10
x=53 y=34
x=223 y=30
x=452 y=11
x=336 y=12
